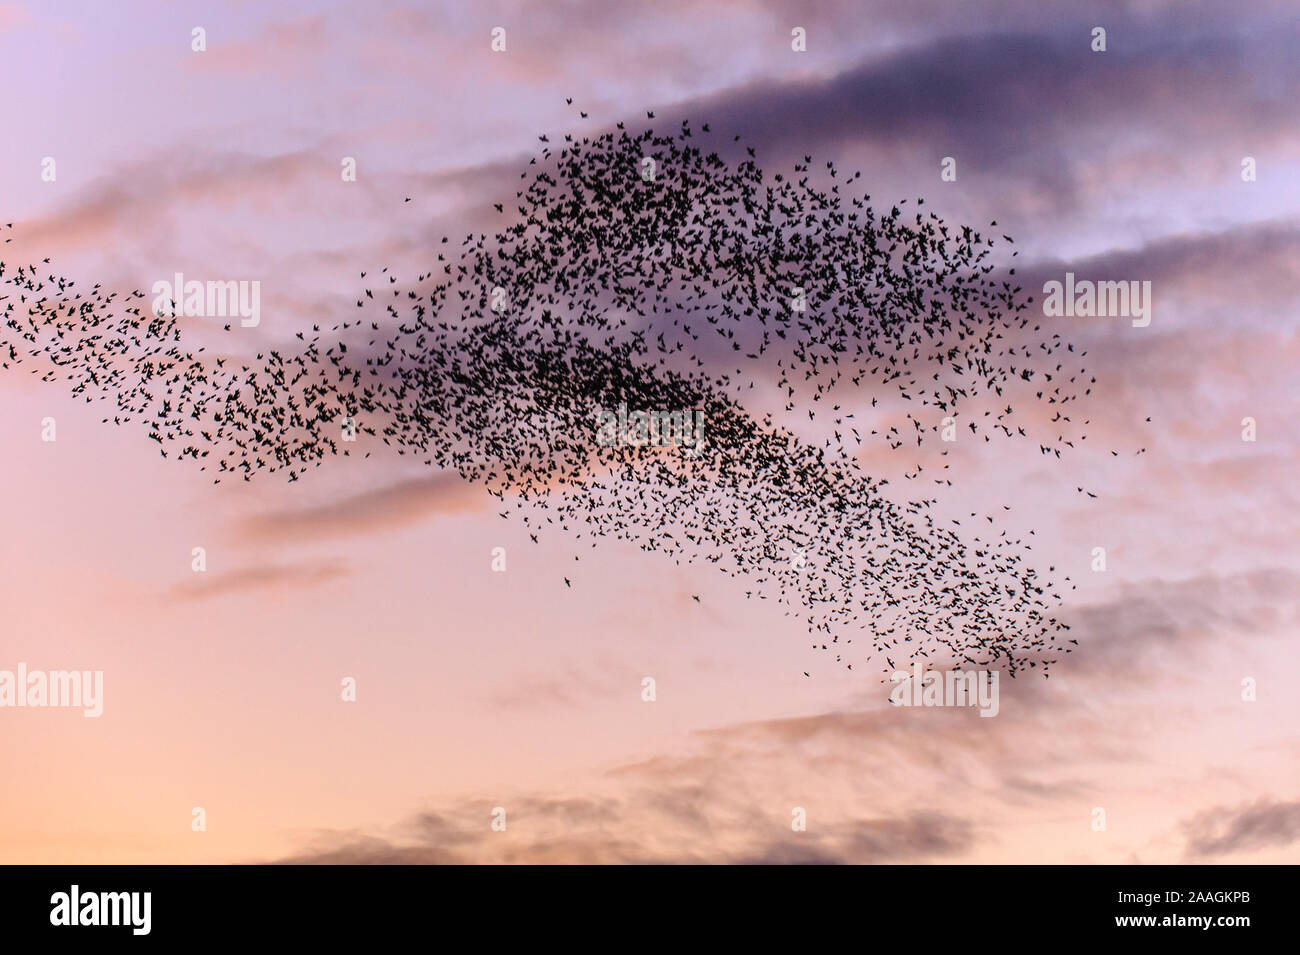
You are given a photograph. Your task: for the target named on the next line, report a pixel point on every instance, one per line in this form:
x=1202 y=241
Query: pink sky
x=479 y=689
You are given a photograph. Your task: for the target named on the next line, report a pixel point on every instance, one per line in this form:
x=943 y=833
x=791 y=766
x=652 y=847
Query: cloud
x=286 y=46
x=727 y=793
x=1245 y=267
x=383 y=509
x=262 y=577
x=144 y=195
x=1036 y=112
x=584 y=831
x=1176 y=618
x=1263 y=824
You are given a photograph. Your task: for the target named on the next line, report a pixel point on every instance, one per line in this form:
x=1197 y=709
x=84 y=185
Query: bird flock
x=693 y=281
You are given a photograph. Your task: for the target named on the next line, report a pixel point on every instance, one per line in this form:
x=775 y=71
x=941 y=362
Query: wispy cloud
x=1263 y=824
x=386 y=508
x=262 y=577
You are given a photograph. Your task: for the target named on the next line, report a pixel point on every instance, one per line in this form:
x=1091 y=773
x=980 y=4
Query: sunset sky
x=478 y=689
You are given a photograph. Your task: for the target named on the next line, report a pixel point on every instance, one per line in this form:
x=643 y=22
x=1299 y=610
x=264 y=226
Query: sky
x=478 y=689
